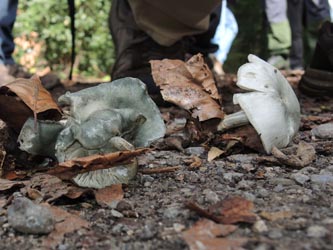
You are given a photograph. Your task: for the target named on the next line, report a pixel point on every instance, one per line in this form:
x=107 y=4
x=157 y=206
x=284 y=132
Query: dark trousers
x=308 y=13
x=8 y=10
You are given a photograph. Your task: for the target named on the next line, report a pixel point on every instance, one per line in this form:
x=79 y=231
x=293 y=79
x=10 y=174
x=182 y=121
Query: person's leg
x=295 y=14
x=8 y=10
x=135 y=46
x=316 y=13
x=279 y=35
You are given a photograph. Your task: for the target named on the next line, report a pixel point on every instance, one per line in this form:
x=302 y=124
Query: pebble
x=260 y=226
x=263 y=192
x=116 y=214
x=232 y=176
x=316 y=231
x=278 y=188
x=148 y=232
x=282 y=181
x=322 y=179
x=275 y=234
x=171 y=212
x=211 y=196
x=28 y=217
x=323 y=131
x=198 y=151
x=300 y=178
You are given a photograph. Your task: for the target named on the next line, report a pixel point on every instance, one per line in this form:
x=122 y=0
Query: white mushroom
x=271 y=105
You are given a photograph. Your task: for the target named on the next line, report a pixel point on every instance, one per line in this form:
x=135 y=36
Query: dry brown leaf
x=108 y=195
x=49 y=187
x=65 y=223
x=196 y=163
x=33 y=94
x=189 y=85
x=69 y=169
x=234 y=209
x=207 y=235
x=273 y=216
x=304 y=155
x=7 y=184
x=213 y=153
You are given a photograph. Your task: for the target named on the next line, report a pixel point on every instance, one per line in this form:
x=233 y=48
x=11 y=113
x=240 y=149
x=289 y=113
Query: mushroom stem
x=233 y=120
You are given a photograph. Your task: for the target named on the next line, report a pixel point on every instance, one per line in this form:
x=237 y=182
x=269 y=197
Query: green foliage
x=50 y=19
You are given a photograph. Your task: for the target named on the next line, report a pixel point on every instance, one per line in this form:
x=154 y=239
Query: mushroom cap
x=271 y=105
x=129 y=97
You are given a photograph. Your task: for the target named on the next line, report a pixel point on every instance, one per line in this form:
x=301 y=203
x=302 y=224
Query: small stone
x=148 y=232
x=147 y=184
x=249 y=196
x=178 y=227
x=260 y=226
x=28 y=217
x=300 y=178
x=171 y=212
x=263 y=192
x=323 y=131
x=316 y=231
x=322 y=179
x=123 y=205
x=211 y=196
x=116 y=214
x=282 y=181
x=275 y=234
x=279 y=188
x=198 y=151
x=232 y=176
x=63 y=247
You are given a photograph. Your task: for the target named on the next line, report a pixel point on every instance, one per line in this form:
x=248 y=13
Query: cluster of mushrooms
x=121 y=116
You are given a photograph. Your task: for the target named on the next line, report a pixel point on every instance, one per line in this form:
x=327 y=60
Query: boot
x=318 y=77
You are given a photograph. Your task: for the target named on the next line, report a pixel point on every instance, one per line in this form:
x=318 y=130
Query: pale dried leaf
x=273 y=216
x=213 y=153
x=206 y=234
x=7 y=184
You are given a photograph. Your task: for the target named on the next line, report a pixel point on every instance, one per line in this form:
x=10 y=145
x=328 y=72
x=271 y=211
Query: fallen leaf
x=233 y=209
x=213 y=153
x=65 y=223
x=273 y=216
x=69 y=169
x=196 y=163
x=108 y=195
x=34 y=99
x=7 y=184
x=208 y=235
x=189 y=85
x=33 y=94
x=304 y=155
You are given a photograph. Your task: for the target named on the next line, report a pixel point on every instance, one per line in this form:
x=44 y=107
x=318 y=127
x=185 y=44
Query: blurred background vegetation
x=43 y=36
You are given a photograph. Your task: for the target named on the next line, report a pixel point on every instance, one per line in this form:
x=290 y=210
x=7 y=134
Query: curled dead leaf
x=189 y=85
x=213 y=153
x=297 y=157
x=23 y=98
x=69 y=169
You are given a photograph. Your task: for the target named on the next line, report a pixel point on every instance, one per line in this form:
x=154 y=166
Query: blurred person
x=318 y=77
x=278 y=34
x=309 y=14
x=8 y=10
x=224 y=36
x=157 y=29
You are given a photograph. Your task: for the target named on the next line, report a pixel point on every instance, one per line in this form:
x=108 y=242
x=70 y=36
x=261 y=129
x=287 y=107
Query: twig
x=160 y=170
x=2 y=161
x=202 y=212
